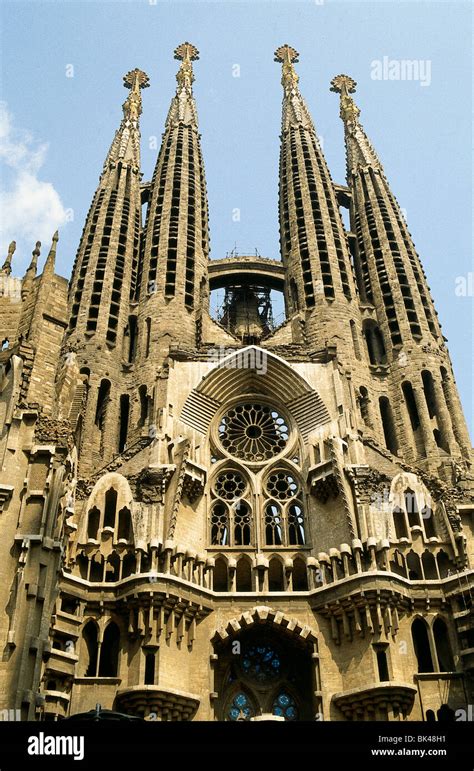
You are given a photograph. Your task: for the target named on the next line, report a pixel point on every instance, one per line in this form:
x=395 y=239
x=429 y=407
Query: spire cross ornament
x=287 y=56
x=186 y=53
x=135 y=80
x=345 y=85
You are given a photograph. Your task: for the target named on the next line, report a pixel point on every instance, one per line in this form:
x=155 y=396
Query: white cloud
x=31 y=209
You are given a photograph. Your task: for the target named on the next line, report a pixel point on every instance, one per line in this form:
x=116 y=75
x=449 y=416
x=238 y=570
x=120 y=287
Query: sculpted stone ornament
x=345 y=85
x=135 y=80
x=287 y=56
x=186 y=53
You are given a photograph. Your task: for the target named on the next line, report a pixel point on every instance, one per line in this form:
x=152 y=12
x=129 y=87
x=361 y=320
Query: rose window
x=261 y=663
x=281 y=485
x=230 y=485
x=253 y=432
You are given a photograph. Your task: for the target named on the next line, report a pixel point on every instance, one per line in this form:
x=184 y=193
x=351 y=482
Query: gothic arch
x=261 y=669
x=254 y=370
x=276 y=573
x=404 y=482
x=97 y=499
x=420 y=633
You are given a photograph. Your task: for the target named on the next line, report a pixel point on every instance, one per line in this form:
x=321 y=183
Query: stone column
x=444 y=419
x=425 y=420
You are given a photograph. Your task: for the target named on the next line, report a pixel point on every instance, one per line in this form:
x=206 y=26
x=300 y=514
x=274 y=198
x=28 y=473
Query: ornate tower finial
x=287 y=56
x=7 y=265
x=135 y=80
x=345 y=85
x=30 y=271
x=186 y=53
x=35 y=254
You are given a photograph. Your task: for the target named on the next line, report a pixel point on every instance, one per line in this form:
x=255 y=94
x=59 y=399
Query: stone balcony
x=157 y=702
x=389 y=700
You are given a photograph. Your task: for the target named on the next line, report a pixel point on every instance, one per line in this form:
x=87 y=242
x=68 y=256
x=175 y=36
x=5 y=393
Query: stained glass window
x=285 y=706
x=240 y=708
x=261 y=663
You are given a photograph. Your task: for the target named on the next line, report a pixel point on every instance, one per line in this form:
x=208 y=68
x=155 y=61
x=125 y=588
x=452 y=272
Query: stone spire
x=51 y=258
x=126 y=144
x=295 y=112
x=7 y=265
x=176 y=241
x=102 y=319
x=183 y=107
x=403 y=334
x=359 y=149
x=390 y=272
x=30 y=274
x=33 y=266
x=106 y=267
x=313 y=241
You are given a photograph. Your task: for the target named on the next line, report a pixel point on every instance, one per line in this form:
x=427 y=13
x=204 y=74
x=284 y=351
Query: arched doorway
x=264 y=670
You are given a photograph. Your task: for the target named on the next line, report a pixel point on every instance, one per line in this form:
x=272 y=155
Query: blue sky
x=56 y=130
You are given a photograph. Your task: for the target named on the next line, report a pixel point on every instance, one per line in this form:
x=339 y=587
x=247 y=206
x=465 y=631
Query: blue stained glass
x=240 y=707
x=261 y=663
x=284 y=706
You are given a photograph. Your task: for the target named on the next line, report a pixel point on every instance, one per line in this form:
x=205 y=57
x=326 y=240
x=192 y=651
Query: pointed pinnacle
x=7 y=265
x=49 y=264
x=186 y=53
x=35 y=254
x=345 y=85
x=135 y=80
x=287 y=56
x=31 y=269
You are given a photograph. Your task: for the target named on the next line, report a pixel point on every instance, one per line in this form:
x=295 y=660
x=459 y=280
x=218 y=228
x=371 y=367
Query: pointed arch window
x=93 y=522
x=421 y=644
x=400 y=523
x=411 y=508
x=231 y=514
x=442 y=645
x=89 y=635
x=220 y=524
x=243 y=575
x=273 y=525
x=110 y=508
x=375 y=343
x=109 y=653
x=283 y=513
x=275 y=575
x=269 y=676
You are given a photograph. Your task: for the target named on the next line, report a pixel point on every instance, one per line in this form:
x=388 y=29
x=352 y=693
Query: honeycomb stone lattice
x=230 y=485
x=282 y=485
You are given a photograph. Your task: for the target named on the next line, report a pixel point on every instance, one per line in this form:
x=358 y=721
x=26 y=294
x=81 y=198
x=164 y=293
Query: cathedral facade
x=220 y=518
